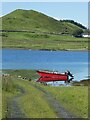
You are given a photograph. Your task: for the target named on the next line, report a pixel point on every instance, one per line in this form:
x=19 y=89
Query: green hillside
x=30 y=29
x=35 y=21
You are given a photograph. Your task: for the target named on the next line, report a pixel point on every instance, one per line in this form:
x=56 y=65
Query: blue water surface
x=75 y=61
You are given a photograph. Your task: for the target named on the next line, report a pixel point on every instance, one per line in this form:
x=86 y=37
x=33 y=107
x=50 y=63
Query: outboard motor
x=70 y=79
x=70 y=76
x=69 y=73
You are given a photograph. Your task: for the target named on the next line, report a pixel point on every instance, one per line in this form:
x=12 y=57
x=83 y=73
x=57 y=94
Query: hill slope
x=36 y=21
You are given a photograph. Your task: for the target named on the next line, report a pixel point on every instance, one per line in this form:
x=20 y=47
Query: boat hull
x=49 y=77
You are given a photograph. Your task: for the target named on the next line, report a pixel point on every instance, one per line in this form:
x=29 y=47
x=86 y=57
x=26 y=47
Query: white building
x=86 y=35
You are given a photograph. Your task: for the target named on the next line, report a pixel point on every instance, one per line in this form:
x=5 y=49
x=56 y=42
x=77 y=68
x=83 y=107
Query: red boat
x=47 y=76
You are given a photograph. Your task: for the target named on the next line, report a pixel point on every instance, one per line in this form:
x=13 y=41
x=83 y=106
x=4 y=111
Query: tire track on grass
x=59 y=109
x=13 y=108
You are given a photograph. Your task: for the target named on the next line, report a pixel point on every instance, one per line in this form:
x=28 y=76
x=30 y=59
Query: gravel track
x=59 y=109
x=13 y=109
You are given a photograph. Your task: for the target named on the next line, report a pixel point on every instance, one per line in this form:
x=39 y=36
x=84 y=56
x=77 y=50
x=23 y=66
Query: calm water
x=76 y=62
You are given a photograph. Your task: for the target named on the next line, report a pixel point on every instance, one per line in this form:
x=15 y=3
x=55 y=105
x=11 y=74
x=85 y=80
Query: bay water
x=74 y=61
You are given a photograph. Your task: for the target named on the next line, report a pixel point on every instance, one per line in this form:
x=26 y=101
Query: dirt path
x=13 y=109
x=59 y=109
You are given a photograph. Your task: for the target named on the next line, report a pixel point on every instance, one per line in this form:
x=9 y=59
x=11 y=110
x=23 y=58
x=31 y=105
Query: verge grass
x=9 y=90
x=74 y=98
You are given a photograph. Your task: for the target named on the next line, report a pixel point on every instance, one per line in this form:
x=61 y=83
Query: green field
x=42 y=41
x=34 y=101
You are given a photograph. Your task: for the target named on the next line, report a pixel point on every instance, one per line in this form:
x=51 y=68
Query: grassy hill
x=36 y=21
x=33 y=30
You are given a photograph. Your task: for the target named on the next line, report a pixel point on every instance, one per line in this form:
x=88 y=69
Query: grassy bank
x=24 y=74
x=34 y=103
x=42 y=41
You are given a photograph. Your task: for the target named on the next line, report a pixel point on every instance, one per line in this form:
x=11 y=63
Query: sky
x=45 y=0
x=77 y=11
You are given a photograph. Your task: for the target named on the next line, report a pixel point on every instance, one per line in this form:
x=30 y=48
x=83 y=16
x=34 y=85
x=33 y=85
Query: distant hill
x=82 y=82
x=35 y=21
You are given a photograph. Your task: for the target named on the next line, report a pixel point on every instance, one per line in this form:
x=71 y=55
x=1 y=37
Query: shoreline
x=70 y=50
